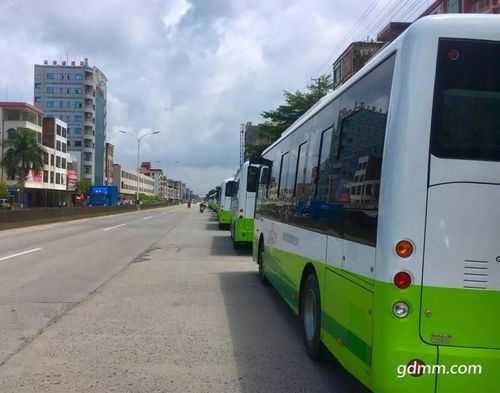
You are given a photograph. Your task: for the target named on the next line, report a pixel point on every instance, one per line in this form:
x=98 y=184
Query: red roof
x=20 y=105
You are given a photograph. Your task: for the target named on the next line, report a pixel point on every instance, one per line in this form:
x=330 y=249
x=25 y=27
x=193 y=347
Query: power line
x=371 y=7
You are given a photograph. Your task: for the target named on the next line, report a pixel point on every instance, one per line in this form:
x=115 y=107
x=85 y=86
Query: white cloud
x=193 y=69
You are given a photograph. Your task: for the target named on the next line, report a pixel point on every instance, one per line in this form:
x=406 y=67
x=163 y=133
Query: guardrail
x=26 y=217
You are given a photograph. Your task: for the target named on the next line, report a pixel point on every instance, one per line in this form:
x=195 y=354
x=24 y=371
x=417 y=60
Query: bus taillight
x=404 y=248
x=402 y=280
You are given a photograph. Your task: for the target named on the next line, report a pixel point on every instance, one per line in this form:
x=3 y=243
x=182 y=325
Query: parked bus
x=243 y=203
x=378 y=216
x=224 y=209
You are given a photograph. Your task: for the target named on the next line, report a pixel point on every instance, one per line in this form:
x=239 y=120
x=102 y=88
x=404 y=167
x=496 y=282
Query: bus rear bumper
x=465 y=370
x=224 y=216
x=243 y=230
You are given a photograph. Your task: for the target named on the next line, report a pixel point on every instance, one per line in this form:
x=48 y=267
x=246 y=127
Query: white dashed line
x=18 y=254
x=114 y=227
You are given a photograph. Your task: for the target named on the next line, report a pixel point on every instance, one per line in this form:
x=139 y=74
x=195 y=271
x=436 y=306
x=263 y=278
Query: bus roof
x=427 y=25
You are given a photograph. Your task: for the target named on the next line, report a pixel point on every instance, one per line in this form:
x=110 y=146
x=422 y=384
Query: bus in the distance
x=224 y=207
x=243 y=203
x=378 y=217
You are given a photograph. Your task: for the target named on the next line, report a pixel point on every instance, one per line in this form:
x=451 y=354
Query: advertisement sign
x=72 y=179
x=35 y=176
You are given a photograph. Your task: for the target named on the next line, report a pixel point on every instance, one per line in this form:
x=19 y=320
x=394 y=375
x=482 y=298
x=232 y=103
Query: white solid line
x=148 y=217
x=18 y=254
x=114 y=227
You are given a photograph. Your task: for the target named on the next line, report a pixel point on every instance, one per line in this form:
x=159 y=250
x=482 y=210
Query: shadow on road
x=267 y=343
x=223 y=245
x=212 y=226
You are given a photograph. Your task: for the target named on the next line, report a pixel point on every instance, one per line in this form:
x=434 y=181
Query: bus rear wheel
x=260 y=262
x=310 y=313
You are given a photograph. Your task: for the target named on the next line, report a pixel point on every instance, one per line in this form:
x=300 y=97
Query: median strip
x=114 y=227
x=18 y=254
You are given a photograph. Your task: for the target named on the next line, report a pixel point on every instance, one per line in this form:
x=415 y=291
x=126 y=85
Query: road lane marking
x=18 y=254
x=114 y=227
x=147 y=218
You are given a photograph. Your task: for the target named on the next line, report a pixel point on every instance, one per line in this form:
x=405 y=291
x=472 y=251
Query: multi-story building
x=252 y=137
x=352 y=60
x=126 y=181
x=171 y=190
x=108 y=160
x=464 y=6
x=48 y=186
x=161 y=182
x=76 y=93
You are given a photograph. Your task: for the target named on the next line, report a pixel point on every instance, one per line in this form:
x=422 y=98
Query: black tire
x=310 y=315
x=260 y=262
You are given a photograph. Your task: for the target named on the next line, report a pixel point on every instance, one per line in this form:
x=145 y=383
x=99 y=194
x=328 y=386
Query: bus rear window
x=466 y=117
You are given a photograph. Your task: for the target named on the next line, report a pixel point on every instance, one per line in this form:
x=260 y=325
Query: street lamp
x=139 y=139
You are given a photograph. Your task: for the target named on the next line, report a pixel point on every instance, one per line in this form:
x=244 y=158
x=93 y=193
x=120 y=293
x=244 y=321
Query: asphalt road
x=152 y=301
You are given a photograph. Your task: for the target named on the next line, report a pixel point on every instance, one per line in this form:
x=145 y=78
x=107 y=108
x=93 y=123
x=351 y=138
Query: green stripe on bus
x=353 y=343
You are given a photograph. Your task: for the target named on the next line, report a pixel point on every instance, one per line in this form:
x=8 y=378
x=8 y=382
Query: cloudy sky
x=193 y=69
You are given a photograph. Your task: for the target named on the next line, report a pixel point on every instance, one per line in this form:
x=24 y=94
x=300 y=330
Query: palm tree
x=23 y=155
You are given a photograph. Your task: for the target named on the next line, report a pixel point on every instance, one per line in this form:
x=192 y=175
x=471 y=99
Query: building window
x=77 y=104
x=77 y=131
x=63 y=146
x=50 y=104
x=50 y=90
x=88 y=156
x=88 y=170
x=52 y=177
x=52 y=162
x=78 y=143
x=58 y=161
x=51 y=75
x=46 y=158
x=37 y=85
x=45 y=176
x=58 y=145
x=77 y=117
x=64 y=134
x=61 y=104
x=58 y=130
x=58 y=178
x=39 y=137
x=78 y=77
x=11 y=133
x=63 y=163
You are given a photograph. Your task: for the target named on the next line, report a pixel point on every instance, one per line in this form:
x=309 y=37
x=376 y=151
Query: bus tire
x=260 y=262
x=310 y=315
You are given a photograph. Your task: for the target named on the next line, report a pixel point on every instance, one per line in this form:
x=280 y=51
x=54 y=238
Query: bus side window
x=264 y=182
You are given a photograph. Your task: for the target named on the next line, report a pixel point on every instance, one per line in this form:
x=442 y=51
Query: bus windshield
x=466 y=118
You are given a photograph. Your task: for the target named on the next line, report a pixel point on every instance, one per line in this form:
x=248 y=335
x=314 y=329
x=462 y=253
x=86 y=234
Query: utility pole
x=139 y=139
x=242 y=144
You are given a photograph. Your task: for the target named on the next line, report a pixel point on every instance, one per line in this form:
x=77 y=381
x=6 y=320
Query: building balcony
x=89 y=131
x=89 y=122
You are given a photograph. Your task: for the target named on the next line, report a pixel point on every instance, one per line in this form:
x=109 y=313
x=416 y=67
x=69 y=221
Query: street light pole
x=139 y=139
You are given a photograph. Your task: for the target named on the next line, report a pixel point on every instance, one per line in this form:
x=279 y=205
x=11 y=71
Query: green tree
x=276 y=121
x=83 y=186
x=23 y=155
x=4 y=191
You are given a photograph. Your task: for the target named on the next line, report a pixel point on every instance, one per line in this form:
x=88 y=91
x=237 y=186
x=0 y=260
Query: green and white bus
x=378 y=215
x=243 y=203
x=224 y=209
